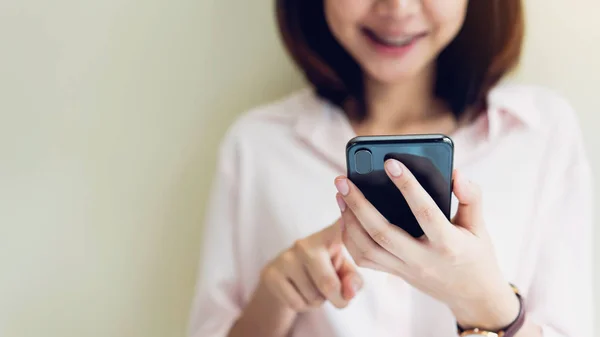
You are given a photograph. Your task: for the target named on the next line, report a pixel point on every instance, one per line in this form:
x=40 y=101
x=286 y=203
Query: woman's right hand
x=312 y=271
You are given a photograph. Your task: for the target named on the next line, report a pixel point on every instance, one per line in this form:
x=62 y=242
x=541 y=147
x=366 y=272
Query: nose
x=398 y=8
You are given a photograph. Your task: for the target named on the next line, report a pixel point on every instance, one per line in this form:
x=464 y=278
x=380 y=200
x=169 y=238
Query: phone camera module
x=363 y=161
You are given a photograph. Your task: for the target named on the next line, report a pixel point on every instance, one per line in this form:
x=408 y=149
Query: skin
x=301 y=278
x=454 y=262
x=398 y=89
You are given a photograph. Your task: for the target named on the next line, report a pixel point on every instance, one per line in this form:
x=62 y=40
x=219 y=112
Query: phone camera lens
x=363 y=161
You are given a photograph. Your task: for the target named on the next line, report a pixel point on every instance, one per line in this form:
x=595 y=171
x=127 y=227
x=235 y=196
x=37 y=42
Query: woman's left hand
x=453 y=262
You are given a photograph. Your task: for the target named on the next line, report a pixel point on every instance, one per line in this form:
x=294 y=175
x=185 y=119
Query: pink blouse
x=274 y=184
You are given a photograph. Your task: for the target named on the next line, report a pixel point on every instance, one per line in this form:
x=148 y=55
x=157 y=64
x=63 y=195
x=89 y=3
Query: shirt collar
x=510 y=106
x=326 y=129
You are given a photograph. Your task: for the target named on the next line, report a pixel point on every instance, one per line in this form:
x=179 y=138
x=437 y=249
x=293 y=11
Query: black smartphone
x=429 y=157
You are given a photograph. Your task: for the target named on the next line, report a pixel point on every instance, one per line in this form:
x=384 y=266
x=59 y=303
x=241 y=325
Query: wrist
x=265 y=315
x=494 y=311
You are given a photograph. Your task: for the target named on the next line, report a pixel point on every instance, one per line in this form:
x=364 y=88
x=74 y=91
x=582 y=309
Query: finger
x=338 y=260
x=392 y=238
x=430 y=175
x=470 y=211
x=285 y=290
x=291 y=295
x=363 y=248
x=433 y=221
x=331 y=235
x=298 y=276
x=366 y=263
x=350 y=278
x=324 y=276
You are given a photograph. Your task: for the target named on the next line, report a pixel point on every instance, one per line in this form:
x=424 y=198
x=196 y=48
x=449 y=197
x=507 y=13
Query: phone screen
x=430 y=159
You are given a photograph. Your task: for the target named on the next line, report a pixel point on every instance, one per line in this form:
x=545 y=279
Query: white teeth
x=393 y=41
x=397 y=41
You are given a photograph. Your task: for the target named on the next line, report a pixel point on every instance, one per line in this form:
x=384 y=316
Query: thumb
x=470 y=212
x=350 y=278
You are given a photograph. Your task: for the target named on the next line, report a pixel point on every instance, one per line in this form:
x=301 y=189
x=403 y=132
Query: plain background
x=110 y=113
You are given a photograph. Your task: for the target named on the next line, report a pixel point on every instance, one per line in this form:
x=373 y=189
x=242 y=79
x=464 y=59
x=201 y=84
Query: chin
x=394 y=75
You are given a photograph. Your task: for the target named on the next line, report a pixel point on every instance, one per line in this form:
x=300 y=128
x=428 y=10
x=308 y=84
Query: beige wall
x=110 y=112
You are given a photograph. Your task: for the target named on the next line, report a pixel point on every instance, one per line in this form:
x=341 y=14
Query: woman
x=292 y=248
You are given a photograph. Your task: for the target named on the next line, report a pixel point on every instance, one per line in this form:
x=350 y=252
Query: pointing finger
x=433 y=221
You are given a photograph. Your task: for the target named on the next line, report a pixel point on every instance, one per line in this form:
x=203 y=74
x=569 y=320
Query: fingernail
x=342 y=186
x=356 y=285
x=394 y=167
x=341 y=202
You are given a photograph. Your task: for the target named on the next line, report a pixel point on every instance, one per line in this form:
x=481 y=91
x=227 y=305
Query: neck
x=407 y=107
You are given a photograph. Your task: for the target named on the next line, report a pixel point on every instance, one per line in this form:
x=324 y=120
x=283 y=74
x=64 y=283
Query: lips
x=393 y=41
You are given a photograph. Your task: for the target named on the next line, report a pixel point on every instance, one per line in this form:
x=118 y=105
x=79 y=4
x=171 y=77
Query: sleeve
x=560 y=299
x=216 y=304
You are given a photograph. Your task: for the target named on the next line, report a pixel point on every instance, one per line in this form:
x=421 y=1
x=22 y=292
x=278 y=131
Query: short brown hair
x=486 y=48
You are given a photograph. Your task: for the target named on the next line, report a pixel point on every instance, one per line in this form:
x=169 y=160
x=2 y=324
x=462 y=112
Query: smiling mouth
x=396 y=41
